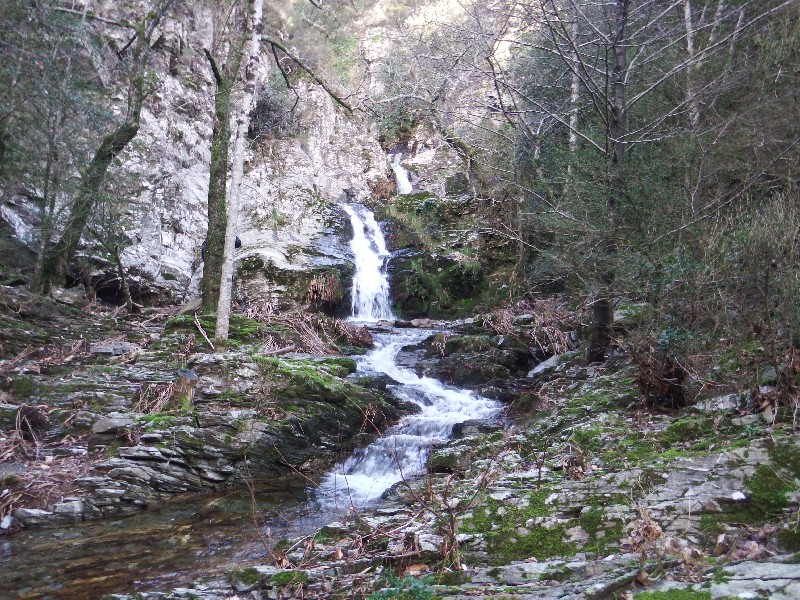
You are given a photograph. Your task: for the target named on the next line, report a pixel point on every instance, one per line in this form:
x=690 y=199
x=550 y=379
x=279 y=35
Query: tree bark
x=245 y=106
x=691 y=88
x=574 y=90
x=218 y=179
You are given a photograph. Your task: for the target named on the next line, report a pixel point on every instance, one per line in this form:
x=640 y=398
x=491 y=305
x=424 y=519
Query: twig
x=203 y=332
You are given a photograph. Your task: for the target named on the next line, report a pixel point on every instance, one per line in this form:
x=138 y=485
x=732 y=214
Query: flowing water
x=187 y=539
x=402 y=451
x=370 y=282
x=401 y=175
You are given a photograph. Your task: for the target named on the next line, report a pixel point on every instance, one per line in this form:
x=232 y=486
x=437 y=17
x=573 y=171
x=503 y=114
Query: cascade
x=401 y=175
x=370 y=282
x=402 y=451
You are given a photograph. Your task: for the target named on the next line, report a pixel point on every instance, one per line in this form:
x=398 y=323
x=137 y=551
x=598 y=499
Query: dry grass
x=154 y=398
x=324 y=288
x=313 y=333
x=552 y=321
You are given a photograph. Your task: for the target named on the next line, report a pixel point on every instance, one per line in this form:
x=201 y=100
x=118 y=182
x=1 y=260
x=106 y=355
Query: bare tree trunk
x=218 y=178
x=126 y=290
x=574 y=90
x=602 y=307
x=245 y=106
x=691 y=91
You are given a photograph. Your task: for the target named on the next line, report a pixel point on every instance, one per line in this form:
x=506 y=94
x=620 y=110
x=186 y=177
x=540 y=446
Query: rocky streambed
x=583 y=496
x=585 y=492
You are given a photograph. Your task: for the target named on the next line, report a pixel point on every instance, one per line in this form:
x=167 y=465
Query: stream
x=186 y=539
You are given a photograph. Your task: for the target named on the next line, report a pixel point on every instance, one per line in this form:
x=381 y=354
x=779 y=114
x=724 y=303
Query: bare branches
x=84 y=14
x=311 y=73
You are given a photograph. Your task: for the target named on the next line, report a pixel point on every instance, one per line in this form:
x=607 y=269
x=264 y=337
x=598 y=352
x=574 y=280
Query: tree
x=56 y=258
x=643 y=71
x=245 y=104
x=225 y=60
x=45 y=112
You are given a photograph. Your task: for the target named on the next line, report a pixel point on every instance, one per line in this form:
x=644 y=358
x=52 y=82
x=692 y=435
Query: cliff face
x=307 y=156
x=289 y=222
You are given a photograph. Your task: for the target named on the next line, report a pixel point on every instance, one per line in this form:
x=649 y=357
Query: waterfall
x=370 y=283
x=401 y=175
x=402 y=451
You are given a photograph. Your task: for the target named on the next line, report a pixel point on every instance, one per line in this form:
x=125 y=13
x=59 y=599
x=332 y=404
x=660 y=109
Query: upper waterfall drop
x=401 y=175
x=370 y=282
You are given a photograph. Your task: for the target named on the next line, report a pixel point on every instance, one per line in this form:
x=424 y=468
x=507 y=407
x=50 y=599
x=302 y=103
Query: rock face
x=289 y=222
x=262 y=417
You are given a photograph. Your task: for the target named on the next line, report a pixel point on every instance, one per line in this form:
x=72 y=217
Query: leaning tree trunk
x=56 y=258
x=245 y=103
x=602 y=307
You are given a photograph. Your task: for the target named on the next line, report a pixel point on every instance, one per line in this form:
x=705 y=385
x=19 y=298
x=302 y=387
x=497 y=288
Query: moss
x=767 y=492
x=288 y=577
x=556 y=574
x=789 y=539
x=785 y=453
x=499 y=524
x=250 y=265
x=603 y=536
x=684 y=594
x=451 y=578
x=241 y=327
x=246 y=575
x=347 y=365
x=157 y=421
x=23 y=386
x=687 y=429
x=767 y=497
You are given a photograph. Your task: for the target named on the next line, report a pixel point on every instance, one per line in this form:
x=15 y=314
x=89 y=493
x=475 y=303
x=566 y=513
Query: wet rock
x=545 y=367
x=33 y=516
x=769 y=376
x=112 y=424
x=720 y=404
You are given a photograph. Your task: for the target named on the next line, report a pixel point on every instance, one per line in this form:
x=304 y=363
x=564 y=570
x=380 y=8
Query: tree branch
x=90 y=15
x=336 y=98
x=217 y=75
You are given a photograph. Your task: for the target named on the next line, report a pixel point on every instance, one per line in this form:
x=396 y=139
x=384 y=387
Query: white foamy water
x=401 y=175
x=370 y=284
x=402 y=451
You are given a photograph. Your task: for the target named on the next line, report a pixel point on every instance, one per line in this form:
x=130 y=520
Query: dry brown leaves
x=548 y=331
x=39 y=479
x=260 y=310
x=745 y=544
x=645 y=531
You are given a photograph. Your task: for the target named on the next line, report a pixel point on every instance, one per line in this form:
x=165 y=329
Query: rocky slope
x=586 y=494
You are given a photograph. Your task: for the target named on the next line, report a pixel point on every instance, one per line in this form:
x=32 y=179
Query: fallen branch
x=280 y=351
x=203 y=332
